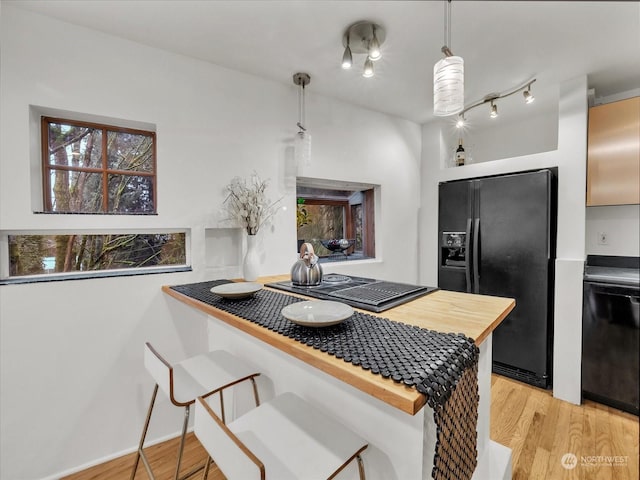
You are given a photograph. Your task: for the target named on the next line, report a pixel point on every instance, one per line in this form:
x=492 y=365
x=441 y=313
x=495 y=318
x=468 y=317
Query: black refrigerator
x=497 y=237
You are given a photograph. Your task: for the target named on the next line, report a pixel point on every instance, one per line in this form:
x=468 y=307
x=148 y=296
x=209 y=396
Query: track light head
x=461 y=121
x=528 y=96
x=494 y=110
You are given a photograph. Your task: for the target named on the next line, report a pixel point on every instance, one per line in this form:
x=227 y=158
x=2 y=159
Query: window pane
x=326 y=223
x=356 y=218
x=77 y=165
x=130 y=194
x=129 y=151
x=74 y=191
x=41 y=254
x=74 y=146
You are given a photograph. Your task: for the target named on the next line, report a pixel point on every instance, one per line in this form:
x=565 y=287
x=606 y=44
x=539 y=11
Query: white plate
x=237 y=289
x=317 y=313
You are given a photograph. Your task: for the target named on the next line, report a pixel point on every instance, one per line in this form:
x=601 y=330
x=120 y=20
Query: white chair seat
x=202 y=374
x=291 y=438
x=295 y=440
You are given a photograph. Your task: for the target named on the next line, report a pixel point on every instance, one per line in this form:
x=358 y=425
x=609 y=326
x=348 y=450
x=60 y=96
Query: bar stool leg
x=360 y=467
x=144 y=434
x=255 y=391
x=205 y=474
x=185 y=424
x=256 y=397
x=224 y=420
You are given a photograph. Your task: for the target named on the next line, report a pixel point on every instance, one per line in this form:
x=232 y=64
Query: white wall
x=73 y=390
x=570 y=158
x=620 y=223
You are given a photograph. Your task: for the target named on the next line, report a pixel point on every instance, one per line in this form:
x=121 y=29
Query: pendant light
x=448 y=75
x=302 y=143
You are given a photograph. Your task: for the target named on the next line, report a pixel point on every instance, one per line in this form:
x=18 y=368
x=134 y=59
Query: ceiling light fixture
x=363 y=37
x=493 y=97
x=302 y=143
x=448 y=75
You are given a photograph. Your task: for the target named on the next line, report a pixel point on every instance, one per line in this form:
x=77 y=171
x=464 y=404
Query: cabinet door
x=454 y=215
x=613 y=153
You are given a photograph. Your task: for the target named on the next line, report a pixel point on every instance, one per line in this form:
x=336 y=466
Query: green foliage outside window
x=42 y=254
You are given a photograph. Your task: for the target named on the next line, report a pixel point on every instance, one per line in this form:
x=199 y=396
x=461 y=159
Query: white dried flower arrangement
x=248 y=204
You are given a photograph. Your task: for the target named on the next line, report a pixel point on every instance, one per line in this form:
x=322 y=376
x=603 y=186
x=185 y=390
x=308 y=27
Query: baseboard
x=108 y=458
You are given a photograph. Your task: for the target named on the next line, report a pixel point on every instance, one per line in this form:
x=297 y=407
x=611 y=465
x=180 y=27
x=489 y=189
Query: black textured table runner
x=442 y=366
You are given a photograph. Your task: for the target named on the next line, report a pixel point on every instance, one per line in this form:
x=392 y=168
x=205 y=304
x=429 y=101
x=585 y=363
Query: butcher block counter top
x=475 y=316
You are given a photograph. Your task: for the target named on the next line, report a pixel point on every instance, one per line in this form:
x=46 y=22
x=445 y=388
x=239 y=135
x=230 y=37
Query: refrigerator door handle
x=476 y=256
x=467 y=262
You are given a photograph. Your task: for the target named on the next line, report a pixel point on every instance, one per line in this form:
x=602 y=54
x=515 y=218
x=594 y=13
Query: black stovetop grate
x=360 y=292
x=376 y=293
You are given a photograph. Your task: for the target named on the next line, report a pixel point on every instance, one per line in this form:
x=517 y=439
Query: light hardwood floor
x=538 y=428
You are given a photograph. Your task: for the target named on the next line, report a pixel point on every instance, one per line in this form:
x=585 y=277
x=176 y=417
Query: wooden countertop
x=449 y=312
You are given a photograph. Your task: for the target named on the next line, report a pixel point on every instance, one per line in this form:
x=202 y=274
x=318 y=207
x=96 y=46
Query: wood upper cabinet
x=613 y=153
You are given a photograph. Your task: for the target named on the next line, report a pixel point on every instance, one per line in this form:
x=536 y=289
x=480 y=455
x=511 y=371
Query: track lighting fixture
x=448 y=75
x=363 y=38
x=492 y=99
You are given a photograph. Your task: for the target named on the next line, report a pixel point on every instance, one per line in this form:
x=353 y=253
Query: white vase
x=251 y=263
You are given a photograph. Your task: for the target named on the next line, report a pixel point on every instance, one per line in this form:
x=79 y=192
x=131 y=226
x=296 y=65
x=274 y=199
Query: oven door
x=610 y=339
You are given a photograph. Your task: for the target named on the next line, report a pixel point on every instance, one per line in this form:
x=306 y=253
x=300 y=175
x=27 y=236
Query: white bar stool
x=283 y=439
x=199 y=376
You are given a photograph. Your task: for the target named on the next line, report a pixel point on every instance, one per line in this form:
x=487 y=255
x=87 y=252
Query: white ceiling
x=503 y=43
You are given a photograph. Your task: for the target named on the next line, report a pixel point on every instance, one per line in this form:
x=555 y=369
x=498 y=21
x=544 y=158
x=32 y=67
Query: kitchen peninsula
x=393 y=417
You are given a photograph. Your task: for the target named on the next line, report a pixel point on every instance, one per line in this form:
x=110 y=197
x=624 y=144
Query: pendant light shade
x=448 y=86
x=448 y=75
x=368 y=68
x=374 y=52
x=347 y=58
x=302 y=148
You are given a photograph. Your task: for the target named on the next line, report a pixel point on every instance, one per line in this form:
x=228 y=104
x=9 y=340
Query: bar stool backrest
x=232 y=456
x=159 y=368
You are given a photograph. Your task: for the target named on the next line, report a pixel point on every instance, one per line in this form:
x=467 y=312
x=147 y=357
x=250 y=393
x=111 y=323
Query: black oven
x=611 y=332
